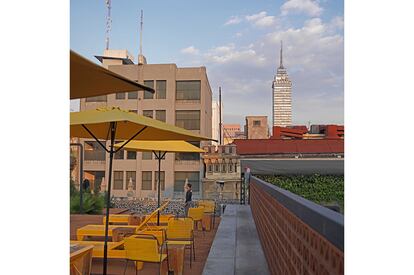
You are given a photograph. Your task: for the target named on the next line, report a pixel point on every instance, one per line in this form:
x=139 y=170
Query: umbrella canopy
x=114 y=123
x=89 y=79
x=98 y=121
x=174 y=146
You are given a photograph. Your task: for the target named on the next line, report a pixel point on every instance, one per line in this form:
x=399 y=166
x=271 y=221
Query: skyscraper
x=282 y=96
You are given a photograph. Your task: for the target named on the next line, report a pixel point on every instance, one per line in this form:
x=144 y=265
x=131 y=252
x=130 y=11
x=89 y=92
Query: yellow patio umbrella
x=160 y=148
x=114 y=123
x=88 y=79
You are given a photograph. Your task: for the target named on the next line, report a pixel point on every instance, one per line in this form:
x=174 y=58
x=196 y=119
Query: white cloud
x=337 y=22
x=233 y=20
x=190 y=50
x=313 y=55
x=239 y=34
x=309 y=7
x=229 y=54
x=261 y=19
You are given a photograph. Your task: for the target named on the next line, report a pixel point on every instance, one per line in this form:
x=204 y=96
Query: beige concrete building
x=183 y=98
x=222 y=164
x=256 y=127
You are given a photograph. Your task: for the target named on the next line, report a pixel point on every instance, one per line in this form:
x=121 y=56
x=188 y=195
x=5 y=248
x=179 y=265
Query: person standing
x=247 y=184
x=188 y=198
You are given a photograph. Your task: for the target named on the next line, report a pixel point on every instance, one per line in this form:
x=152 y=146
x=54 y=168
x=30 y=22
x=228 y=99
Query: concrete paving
x=236 y=248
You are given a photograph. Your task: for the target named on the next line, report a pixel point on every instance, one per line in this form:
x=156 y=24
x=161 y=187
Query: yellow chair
x=180 y=231
x=197 y=214
x=209 y=208
x=144 y=248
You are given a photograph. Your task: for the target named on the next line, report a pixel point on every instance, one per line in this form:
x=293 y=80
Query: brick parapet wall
x=292 y=246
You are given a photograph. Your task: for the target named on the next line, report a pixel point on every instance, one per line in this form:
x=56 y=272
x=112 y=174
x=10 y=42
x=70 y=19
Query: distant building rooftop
x=289 y=146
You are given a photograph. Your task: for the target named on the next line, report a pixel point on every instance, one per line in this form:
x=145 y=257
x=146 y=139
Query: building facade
x=282 y=96
x=256 y=127
x=183 y=98
x=231 y=132
x=222 y=165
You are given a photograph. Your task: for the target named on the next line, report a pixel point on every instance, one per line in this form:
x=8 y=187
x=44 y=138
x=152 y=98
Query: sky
x=238 y=41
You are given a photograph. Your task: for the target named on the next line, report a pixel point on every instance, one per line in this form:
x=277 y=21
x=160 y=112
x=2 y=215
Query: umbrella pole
x=108 y=198
x=159 y=185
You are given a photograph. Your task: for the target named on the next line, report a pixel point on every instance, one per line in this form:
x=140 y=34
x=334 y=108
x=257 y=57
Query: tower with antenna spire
x=141 y=58
x=282 y=95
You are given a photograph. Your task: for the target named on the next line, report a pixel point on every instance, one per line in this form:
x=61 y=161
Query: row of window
x=222 y=168
x=150 y=180
x=184 y=90
x=93 y=151
x=221 y=149
x=146 y=183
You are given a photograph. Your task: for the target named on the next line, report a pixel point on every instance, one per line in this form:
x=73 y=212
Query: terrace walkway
x=236 y=248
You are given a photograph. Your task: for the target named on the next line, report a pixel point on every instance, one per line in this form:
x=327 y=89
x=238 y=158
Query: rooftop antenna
x=140 y=34
x=141 y=57
x=220 y=124
x=281 y=56
x=108 y=23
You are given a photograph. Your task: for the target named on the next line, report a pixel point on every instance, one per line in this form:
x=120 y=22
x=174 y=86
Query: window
x=147 y=113
x=133 y=95
x=120 y=96
x=188 y=156
x=223 y=168
x=146 y=180
x=147 y=94
x=216 y=168
x=134 y=111
x=131 y=155
x=230 y=168
x=94 y=151
x=210 y=168
x=235 y=168
x=162 y=182
x=161 y=90
x=101 y=98
x=256 y=122
x=188 y=90
x=131 y=176
x=189 y=120
x=118 y=180
x=146 y=155
x=160 y=115
x=193 y=179
x=120 y=153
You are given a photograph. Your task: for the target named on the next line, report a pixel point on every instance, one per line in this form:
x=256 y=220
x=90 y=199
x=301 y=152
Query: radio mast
x=108 y=23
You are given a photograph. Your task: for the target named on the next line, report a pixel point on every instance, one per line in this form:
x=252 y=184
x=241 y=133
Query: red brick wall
x=289 y=244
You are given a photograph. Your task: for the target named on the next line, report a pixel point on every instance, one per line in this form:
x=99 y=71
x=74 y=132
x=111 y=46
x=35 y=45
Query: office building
x=183 y=98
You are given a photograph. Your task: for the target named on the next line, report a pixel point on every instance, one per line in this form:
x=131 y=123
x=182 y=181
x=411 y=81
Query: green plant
x=92 y=204
x=73 y=189
x=321 y=189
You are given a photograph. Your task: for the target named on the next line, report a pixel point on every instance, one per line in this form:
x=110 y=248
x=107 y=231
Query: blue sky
x=238 y=41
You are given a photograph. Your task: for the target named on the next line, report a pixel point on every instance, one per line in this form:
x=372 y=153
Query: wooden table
x=176 y=253
x=80 y=259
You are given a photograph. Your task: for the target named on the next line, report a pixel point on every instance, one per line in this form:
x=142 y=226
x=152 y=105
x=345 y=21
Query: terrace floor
x=115 y=266
x=236 y=248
